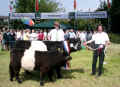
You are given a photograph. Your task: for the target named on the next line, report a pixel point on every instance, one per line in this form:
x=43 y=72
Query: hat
x=56 y=23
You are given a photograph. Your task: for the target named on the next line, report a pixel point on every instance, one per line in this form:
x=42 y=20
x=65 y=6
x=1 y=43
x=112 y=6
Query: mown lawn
x=77 y=76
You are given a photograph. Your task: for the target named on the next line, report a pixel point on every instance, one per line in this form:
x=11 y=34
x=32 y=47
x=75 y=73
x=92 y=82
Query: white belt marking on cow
x=28 y=60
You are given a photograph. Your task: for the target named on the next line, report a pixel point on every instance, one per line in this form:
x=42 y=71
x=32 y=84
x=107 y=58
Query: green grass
x=78 y=76
x=115 y=38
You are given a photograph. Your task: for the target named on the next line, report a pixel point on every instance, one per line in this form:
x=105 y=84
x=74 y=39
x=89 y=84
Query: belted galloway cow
x=44 y=56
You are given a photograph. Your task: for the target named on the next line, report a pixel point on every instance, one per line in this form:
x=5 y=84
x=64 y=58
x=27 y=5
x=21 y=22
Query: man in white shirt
x=56 y=34
x=101 y=40
x=33 y=35
x=72 y=34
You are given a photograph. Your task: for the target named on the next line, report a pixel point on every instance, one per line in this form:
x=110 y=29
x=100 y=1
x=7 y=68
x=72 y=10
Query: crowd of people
x=8 y=37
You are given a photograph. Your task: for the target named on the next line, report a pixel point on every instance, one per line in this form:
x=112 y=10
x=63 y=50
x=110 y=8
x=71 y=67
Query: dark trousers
x=101 y=56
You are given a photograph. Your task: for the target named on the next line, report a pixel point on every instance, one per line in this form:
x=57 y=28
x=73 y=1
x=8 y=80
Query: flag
x=66 y=47
x=37 y=5
x=108 y=2
x=75 y=4
x=10 y=7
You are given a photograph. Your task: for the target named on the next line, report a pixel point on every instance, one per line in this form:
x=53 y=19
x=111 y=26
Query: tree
x=115 y=15
x=28 y=6
x=103 y=7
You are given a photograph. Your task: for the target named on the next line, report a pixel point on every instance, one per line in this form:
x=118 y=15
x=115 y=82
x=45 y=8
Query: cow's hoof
x=11 y=79
x=41 y=83
x=51 y=80
x=59 y=77
x=19 y=81
x=28 y=73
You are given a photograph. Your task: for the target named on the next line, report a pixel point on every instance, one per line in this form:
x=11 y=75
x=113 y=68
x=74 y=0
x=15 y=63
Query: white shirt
x=83 y=36
x=33 y=36
x=72 y=35
x=100 y=38
x=18 y=35
x=56 y=35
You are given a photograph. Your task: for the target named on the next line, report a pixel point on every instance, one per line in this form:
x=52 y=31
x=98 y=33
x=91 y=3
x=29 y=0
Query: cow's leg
x=42 y=78
x=27 y=72
x=17 y=69
x=11 y=72
x=50 y=74
x=58 y=71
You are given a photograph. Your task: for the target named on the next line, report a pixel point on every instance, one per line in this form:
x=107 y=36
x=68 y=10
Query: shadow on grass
x=68 y=74
x=35 y=76
x=2 y=53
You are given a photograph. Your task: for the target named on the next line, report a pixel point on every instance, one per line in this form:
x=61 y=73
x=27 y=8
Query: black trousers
x=98 y=54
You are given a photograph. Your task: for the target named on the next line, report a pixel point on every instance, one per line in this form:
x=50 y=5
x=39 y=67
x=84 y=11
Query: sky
x=82 y=5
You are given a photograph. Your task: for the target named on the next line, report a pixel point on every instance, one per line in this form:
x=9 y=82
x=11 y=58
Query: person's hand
x=107 y=43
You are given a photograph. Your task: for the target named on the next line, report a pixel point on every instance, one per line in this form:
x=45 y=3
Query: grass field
x=78 y=76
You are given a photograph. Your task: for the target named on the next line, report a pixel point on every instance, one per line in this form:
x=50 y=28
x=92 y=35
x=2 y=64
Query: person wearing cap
x=26 y=35
x=101 y=40
x=56 y=34
x=72 y=34
x=33 y=35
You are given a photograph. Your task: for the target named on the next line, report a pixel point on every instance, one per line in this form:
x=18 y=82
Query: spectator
x=12 y=38
x=0 y=38
x=56 y=34
x=5 y=40
x=72 y=34
x=18 y=35
x=66 y=36
x=40 y=35
x=83 y=36
x=45 y=35
x=33 y=35
x=26 y=34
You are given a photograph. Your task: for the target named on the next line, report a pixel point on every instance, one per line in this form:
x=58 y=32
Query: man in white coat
x=56 y=34
x=101 y=40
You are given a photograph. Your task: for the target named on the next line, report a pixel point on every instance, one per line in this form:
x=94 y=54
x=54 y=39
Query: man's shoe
x=99 y=74
x=93 y=74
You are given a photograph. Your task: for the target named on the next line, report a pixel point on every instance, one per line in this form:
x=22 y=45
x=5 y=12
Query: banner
x=22 y=15
x=54 y=16
x=90 y=15
x=71 y=15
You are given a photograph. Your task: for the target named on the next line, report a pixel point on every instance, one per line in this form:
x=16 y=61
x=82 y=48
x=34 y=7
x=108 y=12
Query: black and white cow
x=45 y=56
x=75 y=44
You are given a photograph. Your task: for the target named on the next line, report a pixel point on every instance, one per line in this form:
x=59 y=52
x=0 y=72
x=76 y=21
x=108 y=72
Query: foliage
x=115 y=38
x=28 y=6
x=115 y=15
x=104 y=22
